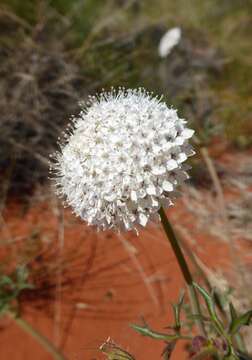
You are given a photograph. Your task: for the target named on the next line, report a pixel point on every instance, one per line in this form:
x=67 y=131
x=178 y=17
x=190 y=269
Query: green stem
x=183 y=267
x=240 y=343
x=47 y=345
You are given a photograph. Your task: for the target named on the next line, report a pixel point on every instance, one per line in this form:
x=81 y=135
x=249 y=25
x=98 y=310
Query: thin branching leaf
x=233 y=313
x=146 y=331
x=177 y=311
x=11 y=286
x=238 y=322
x=208 y=299
x=211 y=309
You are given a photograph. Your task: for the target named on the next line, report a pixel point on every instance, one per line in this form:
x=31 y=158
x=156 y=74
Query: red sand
x=104 y=281
x=103 y=288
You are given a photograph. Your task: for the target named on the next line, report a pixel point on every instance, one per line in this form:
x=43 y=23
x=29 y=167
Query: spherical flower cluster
x=123 y=158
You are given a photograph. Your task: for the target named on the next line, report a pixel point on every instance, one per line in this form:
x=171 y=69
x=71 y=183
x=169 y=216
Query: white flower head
x=168 y=41
x=122 y=159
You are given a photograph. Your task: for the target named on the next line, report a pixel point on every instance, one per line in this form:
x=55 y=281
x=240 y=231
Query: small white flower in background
x=122 y=159
x=168 y=41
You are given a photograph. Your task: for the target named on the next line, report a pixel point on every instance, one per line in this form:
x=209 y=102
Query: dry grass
x=39 y=88
x=53 y=53
x=115 y=43
x=236 y=180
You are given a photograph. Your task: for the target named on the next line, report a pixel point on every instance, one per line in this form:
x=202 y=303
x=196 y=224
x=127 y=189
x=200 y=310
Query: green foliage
x=11 y=286
x=236 y=322
x=210 y=303
x=146 y=331
x=239 y=321
x=169 y=339
x=177 y=313
x=220 y=340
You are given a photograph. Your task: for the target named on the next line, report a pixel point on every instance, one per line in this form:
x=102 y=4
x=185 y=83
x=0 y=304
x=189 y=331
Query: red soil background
x=97 y=283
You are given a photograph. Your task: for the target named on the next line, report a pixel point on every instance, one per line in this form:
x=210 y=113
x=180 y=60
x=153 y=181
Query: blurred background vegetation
x=55 y=52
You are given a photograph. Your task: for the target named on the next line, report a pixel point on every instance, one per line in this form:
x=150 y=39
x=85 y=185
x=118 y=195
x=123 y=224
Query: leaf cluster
x=11 y=286
x=220 y=341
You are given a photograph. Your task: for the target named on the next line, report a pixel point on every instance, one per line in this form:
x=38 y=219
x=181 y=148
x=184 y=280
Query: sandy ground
x=89 y=285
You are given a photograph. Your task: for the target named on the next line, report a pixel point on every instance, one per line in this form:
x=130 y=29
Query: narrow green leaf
x=211 y=308
x=208 y=299
x=177 y=310
x=233 y=312
x=146 y=331
x=11 y=286
x=238 y=322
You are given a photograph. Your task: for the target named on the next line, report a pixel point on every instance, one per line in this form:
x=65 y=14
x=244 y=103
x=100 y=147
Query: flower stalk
x=171 y=236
